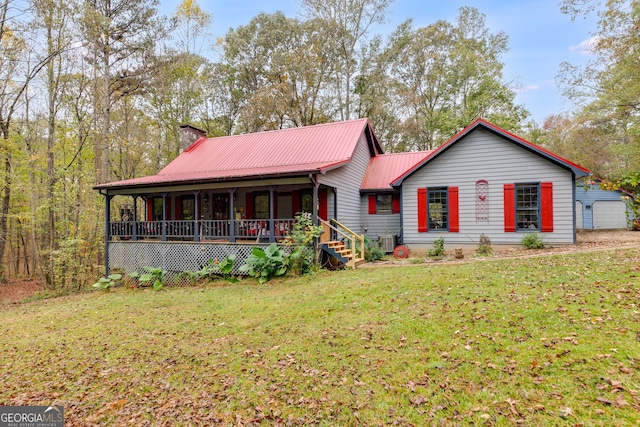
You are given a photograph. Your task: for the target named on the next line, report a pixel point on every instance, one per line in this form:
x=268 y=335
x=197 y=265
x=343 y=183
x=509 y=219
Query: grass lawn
x=549 y=341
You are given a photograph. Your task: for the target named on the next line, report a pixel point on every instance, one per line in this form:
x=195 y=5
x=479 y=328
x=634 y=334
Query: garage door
x=609 y=214
x=579 y=214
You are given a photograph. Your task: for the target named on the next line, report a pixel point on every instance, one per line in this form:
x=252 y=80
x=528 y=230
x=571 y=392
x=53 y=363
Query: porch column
x=316 y=186
x=134 y=231
x=164 y=217
x=272 y=223
x=196 y=208
x=232 y=222
x=316 y=241
x=107 y=233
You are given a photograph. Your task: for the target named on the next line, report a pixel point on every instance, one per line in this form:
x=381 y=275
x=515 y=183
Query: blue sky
x=540 y=37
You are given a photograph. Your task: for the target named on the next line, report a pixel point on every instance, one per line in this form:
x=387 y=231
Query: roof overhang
x=205 y=184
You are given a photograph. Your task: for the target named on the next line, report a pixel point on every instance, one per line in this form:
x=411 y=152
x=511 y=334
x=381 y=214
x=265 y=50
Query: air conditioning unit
x=388 y=243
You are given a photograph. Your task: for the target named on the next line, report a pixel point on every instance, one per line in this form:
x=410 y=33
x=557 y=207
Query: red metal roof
x=386 y=168
x=311 y=149
x=578 y=170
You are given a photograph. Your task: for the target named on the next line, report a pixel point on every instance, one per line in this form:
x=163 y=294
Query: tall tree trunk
x=52 y=89
x=6 y=196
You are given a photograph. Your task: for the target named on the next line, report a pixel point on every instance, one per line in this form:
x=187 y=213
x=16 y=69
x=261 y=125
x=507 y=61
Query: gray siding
x=482 y=155
x=375 y=226
x=346 y=181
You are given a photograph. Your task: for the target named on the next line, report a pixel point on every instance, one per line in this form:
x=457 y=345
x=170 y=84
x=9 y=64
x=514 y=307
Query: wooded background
x=93 y=91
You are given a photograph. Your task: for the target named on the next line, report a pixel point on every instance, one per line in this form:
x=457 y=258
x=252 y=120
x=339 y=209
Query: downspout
x=401 y=219
x=573 y=192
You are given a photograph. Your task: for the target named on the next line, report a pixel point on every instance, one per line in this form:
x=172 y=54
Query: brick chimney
x=188 y=135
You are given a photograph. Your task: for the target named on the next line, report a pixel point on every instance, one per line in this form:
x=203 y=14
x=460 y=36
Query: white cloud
x=585 y=47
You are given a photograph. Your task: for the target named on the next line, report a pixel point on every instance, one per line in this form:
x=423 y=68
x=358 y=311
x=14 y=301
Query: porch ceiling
x=204 y=185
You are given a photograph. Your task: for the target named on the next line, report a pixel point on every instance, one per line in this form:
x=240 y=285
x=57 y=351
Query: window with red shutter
x=395 y=208
x=454 y=220
x=373 y=201
x=422 y=210
x=509 y=208
x=323 y=202
x=546 y=207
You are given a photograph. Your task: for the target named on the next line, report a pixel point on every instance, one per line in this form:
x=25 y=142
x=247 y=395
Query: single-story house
x=597 y=208
x=224 y=195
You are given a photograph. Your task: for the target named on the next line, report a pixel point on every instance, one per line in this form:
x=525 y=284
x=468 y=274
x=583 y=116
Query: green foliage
x=304 y=232
x=152 y=277
x=265 y=264
x=106 y=283
x=301 y=259
x=484 y=245
x=437 y=251
x=533 y=241
x=372 y=250
x=211 y=271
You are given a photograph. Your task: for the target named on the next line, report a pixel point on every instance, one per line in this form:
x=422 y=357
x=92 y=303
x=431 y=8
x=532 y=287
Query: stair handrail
x=350 y=235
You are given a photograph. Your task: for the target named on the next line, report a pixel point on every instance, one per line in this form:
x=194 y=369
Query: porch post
x=316 y=241
x=196 y=208
x=272 y=229
x=164 y=217
x=107 y=232
x=316 y=186
x=134 y=231
x=232 y=222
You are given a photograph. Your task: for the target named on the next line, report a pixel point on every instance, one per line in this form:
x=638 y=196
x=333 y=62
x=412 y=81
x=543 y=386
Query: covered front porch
x=182 y=228
x=210 y=213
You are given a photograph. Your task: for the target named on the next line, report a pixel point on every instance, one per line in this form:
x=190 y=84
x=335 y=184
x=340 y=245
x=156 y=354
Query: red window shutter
x=373 y=208
x=167 y=207
x=454 y=220
x=395 y=203
x=546 y=207
x=323 y=209
x=509 y=208
x=150 y=209
x=295 y=203
x=422 y=210
x=248 y=209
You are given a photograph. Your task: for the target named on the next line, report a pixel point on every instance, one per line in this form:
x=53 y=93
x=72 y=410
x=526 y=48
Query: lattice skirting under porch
x=175 y=257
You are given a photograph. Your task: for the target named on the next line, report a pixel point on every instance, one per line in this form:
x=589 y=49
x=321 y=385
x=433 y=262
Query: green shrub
x=211 y=271
x=302 y=258
x=438 y=249
x=533 y=241
x=484 y=245
x=152 y=277
x=106 y=283
x=372 y=250
x=265 y=264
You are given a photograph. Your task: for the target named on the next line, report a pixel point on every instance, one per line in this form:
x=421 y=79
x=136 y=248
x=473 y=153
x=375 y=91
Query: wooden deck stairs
x=348 y=249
